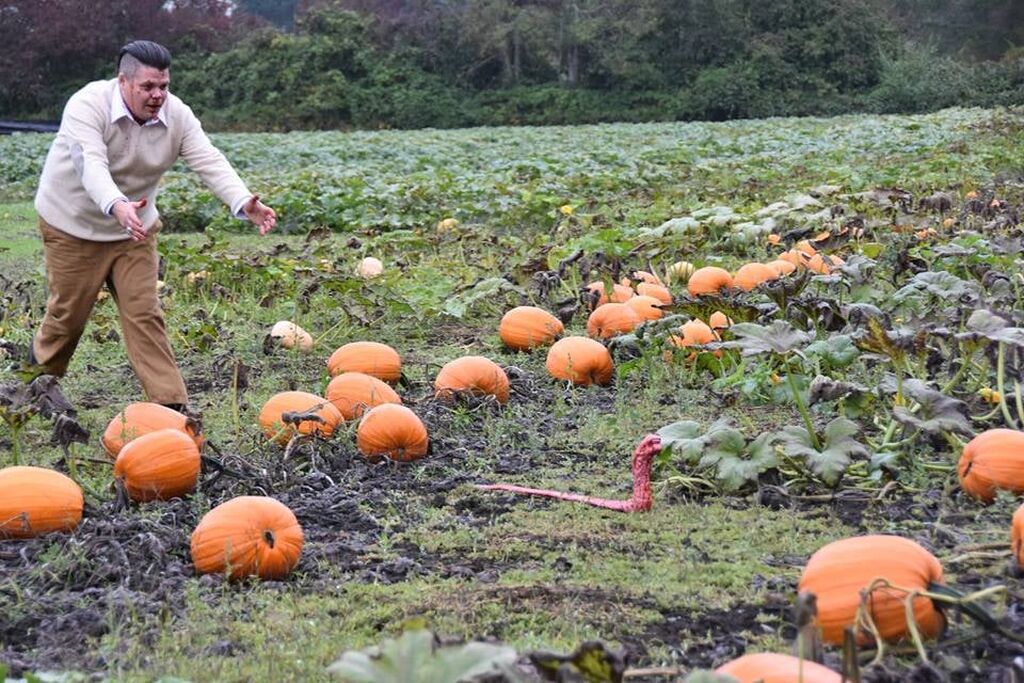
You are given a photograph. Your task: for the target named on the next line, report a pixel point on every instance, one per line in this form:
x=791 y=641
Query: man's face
x=145 y=92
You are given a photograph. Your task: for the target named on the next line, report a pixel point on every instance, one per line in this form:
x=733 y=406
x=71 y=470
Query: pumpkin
x=142 y=418
x=580 y=360
x=36 y=501
x=751 y=275
x=371 y=358
x=805 y=247
x=782 y=267
x=819 y=264
x=644 y=276
x=768 y=667
x=474 y=375
x=369 y=268
x=774 y=239
x=620 y=293
x=697 y=332
x=247 y=536
x=680 y=271
x=709 y=280
x=353 y=393
x=611 y=319
x=991 y=461
x=1017 y=537
x=719 y=321
x=659 y=292
x=794 y=257
x=527 y=327
x=646 y=307
x=394 y=431
x=447 y=224
x=290 y=336
x=838 y=572
x=298 y=402
x=159 y=465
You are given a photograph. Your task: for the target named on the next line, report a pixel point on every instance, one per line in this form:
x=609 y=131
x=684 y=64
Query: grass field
x=711 y=571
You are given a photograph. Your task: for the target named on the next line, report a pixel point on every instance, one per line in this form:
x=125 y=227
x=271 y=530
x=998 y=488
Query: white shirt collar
x=119 y=110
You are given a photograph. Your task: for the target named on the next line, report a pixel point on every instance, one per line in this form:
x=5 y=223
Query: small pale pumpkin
x=992 y=461
x=369 y=268
x=353 y=393
x=768 y=667
x=298 y=402
x=611 y=319
x=159 y=465
x=580 y=360
x=36 y=501
x=527 y=327
x=680 y=271
x=371 y=358
x=248 y=536
x=142 y=418
x=393 y=431
x=709 y=280
x=474 y=375
x=838 y=572
x=291 y=336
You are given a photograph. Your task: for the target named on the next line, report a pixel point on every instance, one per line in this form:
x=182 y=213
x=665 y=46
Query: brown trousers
x=76 y=270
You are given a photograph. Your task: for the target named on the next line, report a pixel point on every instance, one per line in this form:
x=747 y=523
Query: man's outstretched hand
x=260 y=214
x=126 y=214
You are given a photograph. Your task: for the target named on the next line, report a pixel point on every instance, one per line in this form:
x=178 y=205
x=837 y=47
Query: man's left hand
x=260 y=214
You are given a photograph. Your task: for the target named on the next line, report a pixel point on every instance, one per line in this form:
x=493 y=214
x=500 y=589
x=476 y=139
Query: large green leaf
x=838 y=448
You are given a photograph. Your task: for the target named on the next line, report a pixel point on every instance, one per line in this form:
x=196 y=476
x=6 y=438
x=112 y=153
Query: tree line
x=286 y=64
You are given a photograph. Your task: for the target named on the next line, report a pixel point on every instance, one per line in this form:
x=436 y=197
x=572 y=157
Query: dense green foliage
x=381 y=64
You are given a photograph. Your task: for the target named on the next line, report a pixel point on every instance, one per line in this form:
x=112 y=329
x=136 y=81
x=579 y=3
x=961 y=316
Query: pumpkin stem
x=268 y=536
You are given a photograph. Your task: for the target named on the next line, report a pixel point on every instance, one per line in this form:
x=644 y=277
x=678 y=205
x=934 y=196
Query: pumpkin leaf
x=838 y=448
x=736 y=470
x=984 y=324
x=592 y=662
x=416 y=657
x=939 y=284
x=837 y=351
x=457 y=305
x=936 y=413
x=684 y=438
x=827 y=389
x=780 y=337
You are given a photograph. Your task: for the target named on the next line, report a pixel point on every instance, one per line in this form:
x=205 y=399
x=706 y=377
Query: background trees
x=278 y=64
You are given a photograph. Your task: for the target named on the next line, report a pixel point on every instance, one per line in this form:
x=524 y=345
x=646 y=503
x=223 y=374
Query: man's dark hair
x=144 y=52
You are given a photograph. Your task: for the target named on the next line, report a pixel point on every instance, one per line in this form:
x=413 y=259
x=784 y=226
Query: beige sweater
x=100 y=155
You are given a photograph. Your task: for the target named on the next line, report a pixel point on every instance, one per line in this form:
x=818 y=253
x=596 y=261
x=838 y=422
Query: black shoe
x=32 y=353
x=177 y=407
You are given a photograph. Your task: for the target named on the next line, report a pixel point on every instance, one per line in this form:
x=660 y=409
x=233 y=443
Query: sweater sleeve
x=211 y=164
x=82 y=128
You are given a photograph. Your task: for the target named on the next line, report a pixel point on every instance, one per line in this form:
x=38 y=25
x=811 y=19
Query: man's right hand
x=125 y=213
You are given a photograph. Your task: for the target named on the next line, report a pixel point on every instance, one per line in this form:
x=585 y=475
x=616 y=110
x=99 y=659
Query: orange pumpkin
x=992 y=461
x=646 y=307
x=474 y=375
x=370 y=358
x=609 y=320
x=394 y=431
x=798 y=259
x=782 y=267
x=298 y=402
x=527 y=327
x=719 y=321
x=142 y=418
x=819 y=264
x=659 y=292
x=708 y=280
x=36 y=501
x=1017 y=537
x=158 y=466
x=695 y=332
x=838 y=572
x=353 y=393
x=805 y=247
x=580 y=360
x=620 y=292
x=751 y=275
x=644 y=276
x=768 y=667
x=248 y=536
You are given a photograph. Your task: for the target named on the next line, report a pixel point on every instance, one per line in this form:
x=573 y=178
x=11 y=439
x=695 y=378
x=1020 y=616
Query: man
x=98 y=218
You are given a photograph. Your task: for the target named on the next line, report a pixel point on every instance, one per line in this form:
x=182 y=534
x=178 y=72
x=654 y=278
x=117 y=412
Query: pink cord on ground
x=640 y=500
